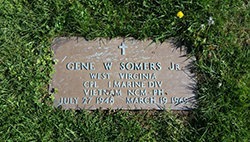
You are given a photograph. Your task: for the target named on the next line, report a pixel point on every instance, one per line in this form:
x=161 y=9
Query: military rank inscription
x=121 y=74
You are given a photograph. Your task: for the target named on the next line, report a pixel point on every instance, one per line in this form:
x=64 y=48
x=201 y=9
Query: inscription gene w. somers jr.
x=124 y=83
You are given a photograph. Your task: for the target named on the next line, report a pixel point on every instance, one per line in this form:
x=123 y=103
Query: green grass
x=222 y=66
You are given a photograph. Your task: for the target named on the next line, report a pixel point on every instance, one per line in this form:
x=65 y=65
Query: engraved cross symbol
x=123 y=47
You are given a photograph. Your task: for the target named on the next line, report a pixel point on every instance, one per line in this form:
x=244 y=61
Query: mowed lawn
x=215 y=32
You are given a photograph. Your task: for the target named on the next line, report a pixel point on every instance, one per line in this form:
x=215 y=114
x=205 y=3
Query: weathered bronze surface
x=121 y=74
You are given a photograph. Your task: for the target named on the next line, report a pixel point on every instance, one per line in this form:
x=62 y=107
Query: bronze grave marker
x=121 y=73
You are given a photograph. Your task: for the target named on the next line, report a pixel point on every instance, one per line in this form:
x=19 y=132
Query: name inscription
x=108 y=77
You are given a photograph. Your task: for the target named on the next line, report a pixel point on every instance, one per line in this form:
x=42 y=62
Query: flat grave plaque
x=121 y=73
